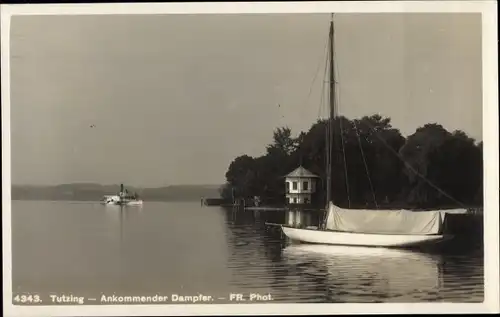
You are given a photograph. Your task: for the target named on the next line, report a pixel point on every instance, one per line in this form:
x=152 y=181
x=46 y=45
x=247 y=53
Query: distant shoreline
x=94 y=192
x=96 y=200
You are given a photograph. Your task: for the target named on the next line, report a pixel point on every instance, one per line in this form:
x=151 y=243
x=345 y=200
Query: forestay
x=385 y=221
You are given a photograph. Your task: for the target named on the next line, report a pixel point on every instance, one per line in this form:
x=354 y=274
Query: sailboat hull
x=316 y=236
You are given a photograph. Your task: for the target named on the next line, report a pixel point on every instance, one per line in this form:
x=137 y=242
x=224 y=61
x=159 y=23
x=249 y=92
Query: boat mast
x=333 y=114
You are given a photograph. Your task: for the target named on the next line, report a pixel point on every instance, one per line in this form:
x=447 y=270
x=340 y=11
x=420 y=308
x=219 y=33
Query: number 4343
x=27 y=299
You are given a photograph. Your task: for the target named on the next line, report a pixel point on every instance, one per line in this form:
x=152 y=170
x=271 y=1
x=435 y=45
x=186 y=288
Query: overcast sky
x=174 y=99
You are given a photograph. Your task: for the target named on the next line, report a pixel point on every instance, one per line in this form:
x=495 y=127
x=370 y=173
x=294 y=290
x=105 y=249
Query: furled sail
x=385 y=221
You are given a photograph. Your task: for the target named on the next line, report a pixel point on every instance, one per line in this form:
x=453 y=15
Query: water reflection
x=262 y=258
x=179 y=247
x=249 y=251
x=354 y=274
x=171 y=248
x=303 y=218
x=117 y=216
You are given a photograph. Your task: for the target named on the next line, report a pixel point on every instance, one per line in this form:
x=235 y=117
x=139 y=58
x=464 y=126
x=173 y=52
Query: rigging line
x=321 y=105
x=345 y=163
x=323 y=88
x=337 y=97
x=316 y=74
x=332 y=140
x=362 y=154
x=360 y=147
x=326 y=129
x=326 y=157
x=366 y=165
x=406 y=164
x=415 y=171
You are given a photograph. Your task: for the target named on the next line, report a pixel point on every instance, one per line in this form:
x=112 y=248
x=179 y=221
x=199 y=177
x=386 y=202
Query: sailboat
x=363 y=227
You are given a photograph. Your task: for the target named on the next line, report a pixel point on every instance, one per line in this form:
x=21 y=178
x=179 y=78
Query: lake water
x=87 y=249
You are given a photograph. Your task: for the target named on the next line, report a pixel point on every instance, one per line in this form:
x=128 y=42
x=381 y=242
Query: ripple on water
x=311 y=274
x=237 y=255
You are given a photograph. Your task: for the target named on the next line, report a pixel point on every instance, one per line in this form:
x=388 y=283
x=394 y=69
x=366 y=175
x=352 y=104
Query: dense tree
x=456 y=168
x=378 y=165
x=373 y=164
x=239 y=176
x=416 y=153
x=443 y=168
x=284 y=144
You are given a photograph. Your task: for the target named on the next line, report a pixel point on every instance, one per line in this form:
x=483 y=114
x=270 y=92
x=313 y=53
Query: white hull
x=127 y=203
x=359 y=239
x=133 y=203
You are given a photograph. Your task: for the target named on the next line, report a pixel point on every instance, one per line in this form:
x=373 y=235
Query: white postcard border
x=490 y=138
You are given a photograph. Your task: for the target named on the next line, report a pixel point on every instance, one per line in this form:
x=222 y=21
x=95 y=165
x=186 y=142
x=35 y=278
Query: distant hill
x=94 y=192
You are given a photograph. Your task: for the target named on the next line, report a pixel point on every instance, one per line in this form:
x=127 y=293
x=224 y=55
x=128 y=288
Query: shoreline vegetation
x=431 y=168
x=94 y=192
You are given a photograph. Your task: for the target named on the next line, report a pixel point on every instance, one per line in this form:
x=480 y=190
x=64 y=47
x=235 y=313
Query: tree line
x=373 y=165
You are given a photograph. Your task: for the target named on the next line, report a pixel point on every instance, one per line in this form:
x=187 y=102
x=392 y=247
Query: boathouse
x=300 y=185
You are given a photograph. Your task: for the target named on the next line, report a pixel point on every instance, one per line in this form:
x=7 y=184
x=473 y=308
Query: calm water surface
x=88 y=249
